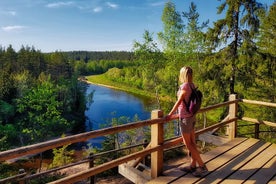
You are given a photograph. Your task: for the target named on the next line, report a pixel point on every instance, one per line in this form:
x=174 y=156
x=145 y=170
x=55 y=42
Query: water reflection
x=110 y=103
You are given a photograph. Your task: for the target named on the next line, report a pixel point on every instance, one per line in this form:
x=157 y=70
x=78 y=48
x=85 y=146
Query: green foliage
x=6 y=85
x=61 y=157
x=8 y=135
x=266 y=41
x=6 y=111
x=238 y=27
x=7 y=170
x=123 y=139
x=193 y=38
x=35 y=107
x=40 y=116
x=173 y=29
x=96 y=56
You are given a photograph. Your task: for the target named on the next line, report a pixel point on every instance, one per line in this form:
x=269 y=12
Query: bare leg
x=190 y=143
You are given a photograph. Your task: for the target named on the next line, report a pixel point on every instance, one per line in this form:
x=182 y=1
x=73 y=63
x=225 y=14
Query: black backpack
x=195 y=101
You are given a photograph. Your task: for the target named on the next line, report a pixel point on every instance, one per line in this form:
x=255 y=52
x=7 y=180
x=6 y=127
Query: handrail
x=44 y=146
x=256 y=121
x=204 y=109
x=40 y=147
x=269 y=104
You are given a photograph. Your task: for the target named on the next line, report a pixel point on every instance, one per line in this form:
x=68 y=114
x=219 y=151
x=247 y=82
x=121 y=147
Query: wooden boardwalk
x=241 y=160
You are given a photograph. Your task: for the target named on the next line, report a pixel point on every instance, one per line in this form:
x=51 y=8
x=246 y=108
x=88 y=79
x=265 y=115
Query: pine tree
x=241 y=23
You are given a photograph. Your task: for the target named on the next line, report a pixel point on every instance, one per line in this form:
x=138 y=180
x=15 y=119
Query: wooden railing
x=155 y=148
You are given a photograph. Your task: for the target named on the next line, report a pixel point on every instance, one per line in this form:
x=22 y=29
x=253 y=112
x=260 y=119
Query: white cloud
x=59 y=4
x=97 y=9
x=160 y=3
x=10 y=13
x=12 y=28
x=112 y=5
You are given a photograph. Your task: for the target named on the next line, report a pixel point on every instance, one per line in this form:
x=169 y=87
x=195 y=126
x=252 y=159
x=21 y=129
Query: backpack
x=195 y=101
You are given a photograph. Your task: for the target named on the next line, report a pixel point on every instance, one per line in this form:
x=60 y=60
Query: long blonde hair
x=186 y=74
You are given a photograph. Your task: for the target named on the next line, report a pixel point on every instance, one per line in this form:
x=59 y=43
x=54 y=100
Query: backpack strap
x=188 y=104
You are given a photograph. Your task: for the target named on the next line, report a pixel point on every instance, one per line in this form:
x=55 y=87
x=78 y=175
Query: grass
x=104 y=81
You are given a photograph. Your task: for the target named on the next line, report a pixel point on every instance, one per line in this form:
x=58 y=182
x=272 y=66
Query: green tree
x=241 y=23
x=6 y=85
x=171 y=37
x=22 y=82
x=267 y=47
x=194 y=46
x=40 y=117
x=58 y=66
x=194 y=41
x=151 y=59
x=62 y=156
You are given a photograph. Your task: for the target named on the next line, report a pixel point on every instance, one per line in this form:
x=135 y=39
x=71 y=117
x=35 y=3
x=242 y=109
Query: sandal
x=188 y=169
x=200 y=171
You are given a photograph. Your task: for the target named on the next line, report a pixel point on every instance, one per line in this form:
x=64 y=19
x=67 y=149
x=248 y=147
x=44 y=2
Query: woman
x=187 y=122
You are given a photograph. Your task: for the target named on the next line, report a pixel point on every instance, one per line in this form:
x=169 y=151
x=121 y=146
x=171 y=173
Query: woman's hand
x=168 y=117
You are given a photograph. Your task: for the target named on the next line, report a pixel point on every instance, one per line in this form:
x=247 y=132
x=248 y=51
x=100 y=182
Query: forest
x=236 y=55
x=41 y=97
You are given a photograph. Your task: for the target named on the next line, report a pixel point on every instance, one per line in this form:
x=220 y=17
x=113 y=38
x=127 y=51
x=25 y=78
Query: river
x=111 y=103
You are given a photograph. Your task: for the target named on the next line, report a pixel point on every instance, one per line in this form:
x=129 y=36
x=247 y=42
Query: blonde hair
x=186 y=74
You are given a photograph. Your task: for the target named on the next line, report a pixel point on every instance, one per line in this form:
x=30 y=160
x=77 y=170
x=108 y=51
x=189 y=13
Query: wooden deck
x=241 y=160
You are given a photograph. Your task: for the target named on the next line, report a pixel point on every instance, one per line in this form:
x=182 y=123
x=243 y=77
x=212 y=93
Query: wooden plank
x=175 y=173
x=252 y=166
x=212 y=139
x=220 y=161
x=265 y=173
x=273 y=181
x=133 y=174
x=168 y=176
x=248 y=153
x=216 y=152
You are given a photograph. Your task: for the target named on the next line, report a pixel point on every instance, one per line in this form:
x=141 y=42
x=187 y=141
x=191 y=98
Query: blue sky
x=92 y=25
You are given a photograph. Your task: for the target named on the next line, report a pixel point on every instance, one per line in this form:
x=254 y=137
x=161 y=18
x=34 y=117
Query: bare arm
x=177 y=103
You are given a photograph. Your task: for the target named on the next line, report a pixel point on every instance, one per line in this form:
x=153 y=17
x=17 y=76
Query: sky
x=89 y=25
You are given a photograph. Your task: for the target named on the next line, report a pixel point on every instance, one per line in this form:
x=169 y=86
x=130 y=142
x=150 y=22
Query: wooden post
x=157 y=138
x=21 y=181
x=91 y=164
x=232 y=128
x=257 y=130
x=146 y=158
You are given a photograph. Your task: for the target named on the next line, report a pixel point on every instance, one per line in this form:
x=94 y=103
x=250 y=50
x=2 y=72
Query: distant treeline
x=99 y=55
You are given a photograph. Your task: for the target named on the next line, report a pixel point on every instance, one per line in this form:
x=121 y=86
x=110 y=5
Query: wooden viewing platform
x=241 y=160
x=234 y=160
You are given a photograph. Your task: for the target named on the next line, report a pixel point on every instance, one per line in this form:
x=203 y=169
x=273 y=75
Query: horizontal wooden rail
x=268 y=123
x=204 y=109
x=108 y=165
x=40 y=147
x=269 y=104
x=12 y=178
x=86 y=160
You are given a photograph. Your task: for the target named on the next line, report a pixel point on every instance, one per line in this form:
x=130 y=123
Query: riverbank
x=103 y=81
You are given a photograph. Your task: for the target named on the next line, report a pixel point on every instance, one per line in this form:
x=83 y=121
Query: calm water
x=109 y=103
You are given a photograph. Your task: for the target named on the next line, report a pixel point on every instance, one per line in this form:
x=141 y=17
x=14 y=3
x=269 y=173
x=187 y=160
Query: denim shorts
x=187 y=125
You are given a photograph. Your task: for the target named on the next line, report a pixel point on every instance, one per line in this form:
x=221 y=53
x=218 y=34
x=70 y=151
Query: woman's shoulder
x=187 y=85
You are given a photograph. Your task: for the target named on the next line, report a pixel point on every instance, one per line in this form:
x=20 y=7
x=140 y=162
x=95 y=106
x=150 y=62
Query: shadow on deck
x=241 y=160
